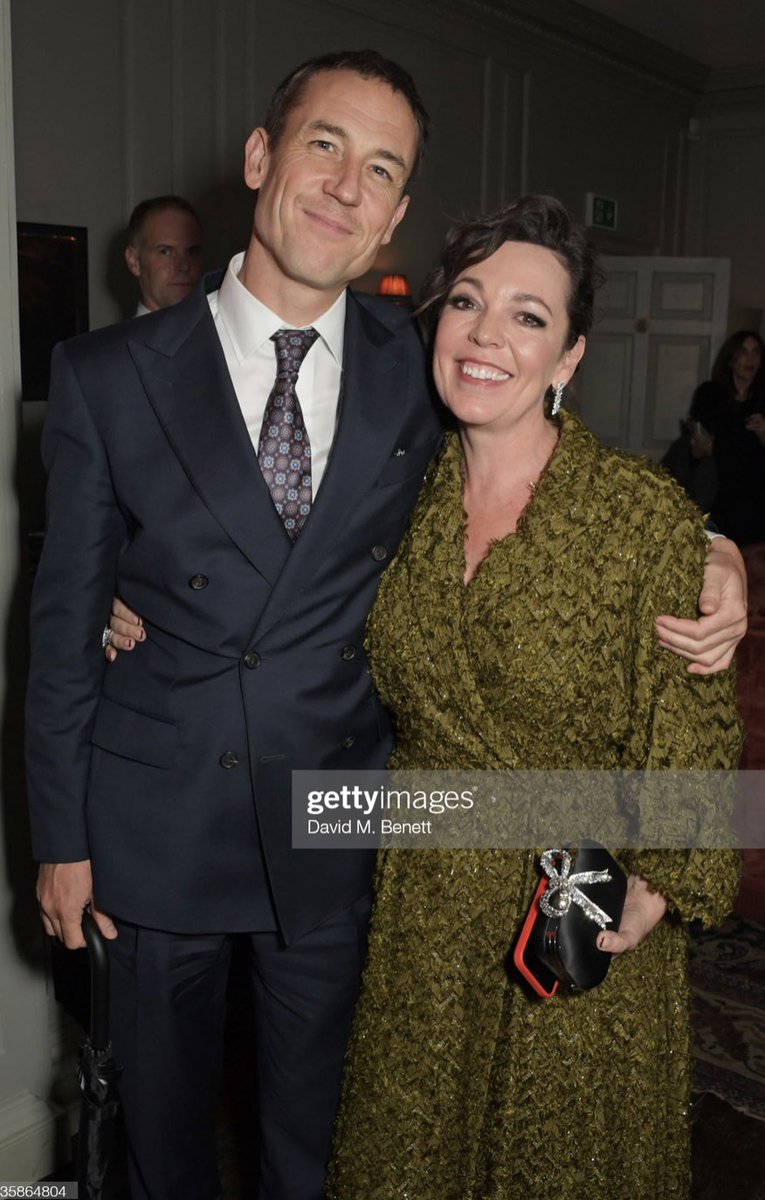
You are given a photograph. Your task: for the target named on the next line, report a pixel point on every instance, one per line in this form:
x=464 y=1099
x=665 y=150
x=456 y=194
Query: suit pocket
x=134 y=735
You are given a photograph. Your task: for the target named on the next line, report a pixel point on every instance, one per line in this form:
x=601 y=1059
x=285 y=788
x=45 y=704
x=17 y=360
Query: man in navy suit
x=160 y=789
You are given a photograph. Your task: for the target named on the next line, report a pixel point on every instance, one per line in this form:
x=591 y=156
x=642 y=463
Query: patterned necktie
x=284 y=451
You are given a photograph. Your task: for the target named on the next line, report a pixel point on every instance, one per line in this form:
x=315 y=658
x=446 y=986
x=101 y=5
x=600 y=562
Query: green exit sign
x=600 y=211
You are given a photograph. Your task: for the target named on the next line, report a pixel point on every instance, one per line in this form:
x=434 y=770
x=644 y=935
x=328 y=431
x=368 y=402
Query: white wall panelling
x=730 y=186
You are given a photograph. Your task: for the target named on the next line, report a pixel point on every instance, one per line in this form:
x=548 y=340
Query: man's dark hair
x=366 y=63
x=539 y=220
x=153 y=205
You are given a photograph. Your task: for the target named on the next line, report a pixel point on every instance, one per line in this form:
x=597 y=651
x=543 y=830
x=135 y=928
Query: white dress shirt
x=245 y=327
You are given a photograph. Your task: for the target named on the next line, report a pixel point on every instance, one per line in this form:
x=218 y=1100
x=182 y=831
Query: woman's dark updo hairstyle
x=540 y=220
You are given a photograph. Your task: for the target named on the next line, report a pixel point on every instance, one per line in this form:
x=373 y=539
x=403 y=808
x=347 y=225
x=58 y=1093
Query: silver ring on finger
x=106 y=636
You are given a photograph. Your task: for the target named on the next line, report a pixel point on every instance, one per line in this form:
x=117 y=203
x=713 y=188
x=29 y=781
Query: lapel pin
x=401 y=451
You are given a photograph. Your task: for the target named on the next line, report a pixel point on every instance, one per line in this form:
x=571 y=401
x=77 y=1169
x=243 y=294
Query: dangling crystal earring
x=557 y=398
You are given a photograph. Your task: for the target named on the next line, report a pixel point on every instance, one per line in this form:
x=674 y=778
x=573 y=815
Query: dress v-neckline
x=522 y=524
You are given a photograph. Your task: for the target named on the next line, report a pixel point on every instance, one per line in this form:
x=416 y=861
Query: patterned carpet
x=728 y=976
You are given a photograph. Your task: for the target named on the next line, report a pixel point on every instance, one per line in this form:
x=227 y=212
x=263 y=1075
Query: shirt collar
x=250 y=324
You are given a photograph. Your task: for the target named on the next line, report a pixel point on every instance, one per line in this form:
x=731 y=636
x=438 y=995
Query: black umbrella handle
x=99 y=981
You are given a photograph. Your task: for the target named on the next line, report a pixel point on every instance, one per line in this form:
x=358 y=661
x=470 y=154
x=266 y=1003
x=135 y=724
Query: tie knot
x=292 y=345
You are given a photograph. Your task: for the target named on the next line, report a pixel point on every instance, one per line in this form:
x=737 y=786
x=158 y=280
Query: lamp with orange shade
x=396 y=288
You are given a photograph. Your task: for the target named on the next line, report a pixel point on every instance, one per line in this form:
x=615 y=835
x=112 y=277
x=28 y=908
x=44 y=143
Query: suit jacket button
x=252 y=659
x=228 y=760
x=197 y=582
x=348 y=741
x=379 y=553
x=348 y=653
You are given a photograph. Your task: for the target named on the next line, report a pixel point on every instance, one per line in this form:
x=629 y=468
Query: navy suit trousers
x=168 y=1016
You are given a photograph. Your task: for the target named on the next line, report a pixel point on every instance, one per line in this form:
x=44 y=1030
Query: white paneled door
x=659 y=323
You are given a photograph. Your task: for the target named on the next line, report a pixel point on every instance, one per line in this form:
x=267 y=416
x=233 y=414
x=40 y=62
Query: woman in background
x=730 y=407
x=515 y=630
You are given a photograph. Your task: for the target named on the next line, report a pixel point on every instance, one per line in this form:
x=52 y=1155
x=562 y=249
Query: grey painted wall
x=727 y=175
x=126 y=98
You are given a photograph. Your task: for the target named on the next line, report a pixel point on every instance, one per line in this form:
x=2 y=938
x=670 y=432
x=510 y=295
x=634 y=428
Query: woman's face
x=501 y=338
x=747 y=360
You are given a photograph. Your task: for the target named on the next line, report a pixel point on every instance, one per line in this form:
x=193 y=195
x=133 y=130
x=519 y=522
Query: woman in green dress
x=515 y=630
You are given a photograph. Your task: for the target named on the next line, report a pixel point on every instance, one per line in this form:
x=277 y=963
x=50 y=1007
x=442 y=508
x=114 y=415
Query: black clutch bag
x=581 y=892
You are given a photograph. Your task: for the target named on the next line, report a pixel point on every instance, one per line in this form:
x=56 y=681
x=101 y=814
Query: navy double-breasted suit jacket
x=171 y=768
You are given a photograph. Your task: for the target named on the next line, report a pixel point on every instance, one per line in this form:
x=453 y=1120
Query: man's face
x=167 y=257
x=331 y=190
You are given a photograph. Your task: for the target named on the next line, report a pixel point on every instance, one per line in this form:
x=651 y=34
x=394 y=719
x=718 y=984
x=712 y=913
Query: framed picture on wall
x=53 y=296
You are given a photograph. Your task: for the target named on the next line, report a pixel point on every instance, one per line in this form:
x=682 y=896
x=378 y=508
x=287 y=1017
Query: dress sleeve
x=682 y=723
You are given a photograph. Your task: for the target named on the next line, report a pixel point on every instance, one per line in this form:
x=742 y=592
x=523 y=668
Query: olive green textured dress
x=459 y=1085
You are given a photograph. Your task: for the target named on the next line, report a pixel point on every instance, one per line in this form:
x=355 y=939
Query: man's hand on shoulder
x=709 y=642
x=64 y=891
x=126 y=630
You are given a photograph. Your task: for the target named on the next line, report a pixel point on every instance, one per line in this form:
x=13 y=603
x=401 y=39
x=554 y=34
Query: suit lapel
x=372 y=400
x=371 y=407
x=183 y=370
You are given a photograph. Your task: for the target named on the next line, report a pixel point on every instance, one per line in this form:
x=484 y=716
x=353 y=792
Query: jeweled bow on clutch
x=563 y=888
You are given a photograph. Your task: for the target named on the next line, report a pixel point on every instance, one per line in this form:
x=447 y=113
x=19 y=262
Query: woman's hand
x=702 y=443
x=127 y=629
x=756 y=425
x=643 y=909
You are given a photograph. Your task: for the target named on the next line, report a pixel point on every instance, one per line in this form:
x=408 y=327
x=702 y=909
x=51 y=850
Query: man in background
x=163 y=251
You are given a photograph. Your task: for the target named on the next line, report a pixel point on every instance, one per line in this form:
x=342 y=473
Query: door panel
x=676 y=365
x=609 y=375
x=659 y=322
